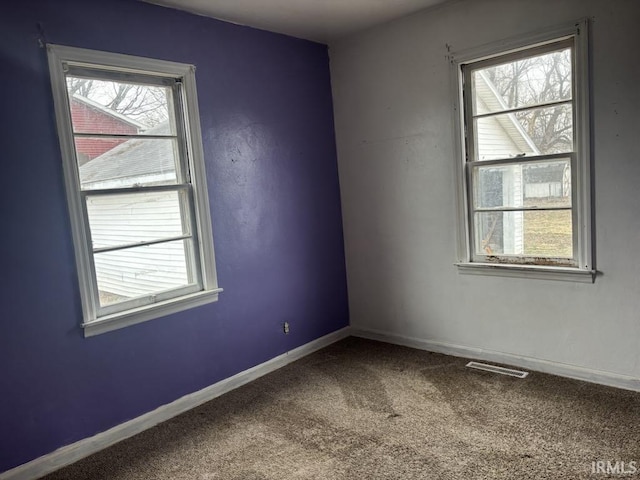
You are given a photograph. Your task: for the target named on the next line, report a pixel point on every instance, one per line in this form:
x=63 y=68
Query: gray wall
x=394 y=126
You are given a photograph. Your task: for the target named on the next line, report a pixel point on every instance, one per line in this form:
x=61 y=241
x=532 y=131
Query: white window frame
x=468 y=263
x=98 y=320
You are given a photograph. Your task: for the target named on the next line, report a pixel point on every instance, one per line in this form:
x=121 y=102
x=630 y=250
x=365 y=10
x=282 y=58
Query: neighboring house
x=135 y=161
x=504 y=137
x=87 y=113
x=117 y=220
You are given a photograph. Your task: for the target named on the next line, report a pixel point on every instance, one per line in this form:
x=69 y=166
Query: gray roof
x=137 y=157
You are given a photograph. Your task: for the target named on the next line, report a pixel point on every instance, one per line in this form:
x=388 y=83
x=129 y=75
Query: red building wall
x=89 y=119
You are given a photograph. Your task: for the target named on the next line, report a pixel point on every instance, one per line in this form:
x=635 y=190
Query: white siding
x=513 y=222
x=142 y=270
x=493 y=141
x=498 y=136
x=503 y=141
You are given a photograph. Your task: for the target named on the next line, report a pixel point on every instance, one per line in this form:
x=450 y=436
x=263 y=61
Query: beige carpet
x=367 y=410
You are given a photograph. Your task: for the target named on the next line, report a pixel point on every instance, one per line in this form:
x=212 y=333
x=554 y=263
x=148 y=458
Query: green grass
x=548 y=233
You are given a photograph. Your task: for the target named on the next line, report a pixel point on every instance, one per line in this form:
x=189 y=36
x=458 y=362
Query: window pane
x=531 y=233
x=139 y=271
x=538 y=131
x=530 y=81
x=533 y=184
x=108 y=107
x=133 y=162
x=116 y=220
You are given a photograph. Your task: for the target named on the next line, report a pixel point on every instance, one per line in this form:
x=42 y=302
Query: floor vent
x=496 y=369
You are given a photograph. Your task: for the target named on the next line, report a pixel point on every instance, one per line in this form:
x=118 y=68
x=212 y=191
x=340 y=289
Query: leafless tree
x=81 y=86
x=144 y=103
x=539 y=81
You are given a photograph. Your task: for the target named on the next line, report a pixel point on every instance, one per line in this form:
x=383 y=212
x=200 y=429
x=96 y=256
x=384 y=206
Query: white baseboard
x=530 y=363
x=83 y=448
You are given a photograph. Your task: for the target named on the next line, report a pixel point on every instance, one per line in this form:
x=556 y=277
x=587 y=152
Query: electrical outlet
x=286 y=327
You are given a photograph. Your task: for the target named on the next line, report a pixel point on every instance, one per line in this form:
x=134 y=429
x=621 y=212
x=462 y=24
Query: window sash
x=518 y=258
x=186 y=217
x=65 y=60
x=117 y=74
x=521 y=258
x=125 y=136
x=188 y=214
x=583 y=270
x=471 y=149
x=533 y=106
x=520 y=161
x=146 y=300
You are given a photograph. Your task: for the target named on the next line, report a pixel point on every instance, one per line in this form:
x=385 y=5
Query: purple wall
x=266 y=113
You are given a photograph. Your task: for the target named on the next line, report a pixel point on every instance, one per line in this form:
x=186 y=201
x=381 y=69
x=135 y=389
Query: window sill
x=149 y=312
x=567 y=274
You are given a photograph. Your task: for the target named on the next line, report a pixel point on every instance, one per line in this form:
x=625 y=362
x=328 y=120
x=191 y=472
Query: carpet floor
x=367 y=410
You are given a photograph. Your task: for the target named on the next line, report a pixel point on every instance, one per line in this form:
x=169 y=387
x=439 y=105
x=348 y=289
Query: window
x=524 y=170
x=136 y=186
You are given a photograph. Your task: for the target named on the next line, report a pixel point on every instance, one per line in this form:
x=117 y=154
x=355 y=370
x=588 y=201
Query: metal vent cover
x=496 y=369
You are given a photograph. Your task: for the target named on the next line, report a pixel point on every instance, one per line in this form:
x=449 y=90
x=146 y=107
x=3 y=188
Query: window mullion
x=469 y=125
x=524 y=109
x=90 y=258
x=519 y=209
x=140 y=189
x=179 y=127
x=147 y=299
x=469 y=148
x=124 y=136
x=142 y=243
x=187 y=205
x=521 y=160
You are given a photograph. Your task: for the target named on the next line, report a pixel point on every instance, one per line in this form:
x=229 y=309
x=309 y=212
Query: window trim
x=58 y=58
x=584 y=271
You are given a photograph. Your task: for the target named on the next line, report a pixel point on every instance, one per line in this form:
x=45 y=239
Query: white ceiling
x=319 y=20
